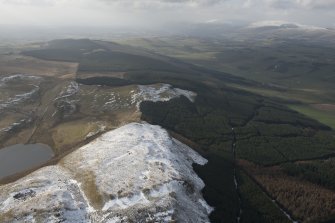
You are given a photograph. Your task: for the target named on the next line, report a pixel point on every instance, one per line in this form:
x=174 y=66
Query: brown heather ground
x=16 y=64
x=306 y=201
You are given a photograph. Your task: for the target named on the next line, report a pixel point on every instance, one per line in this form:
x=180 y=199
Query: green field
x=325 y=117
x=299 y=70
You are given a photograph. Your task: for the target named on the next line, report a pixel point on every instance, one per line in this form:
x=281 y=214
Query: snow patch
x=284 y=24
x=16 y=77
x=70 y=90
x=140 y=167
x=16 y=125
x=208 y=208
x=101 y=128
x=8 y=83
x=65 y=103
x=48 y=194
x=125 y=202
x=107 y=99
x=20 y=98
x=161 y=92
x=138 y=170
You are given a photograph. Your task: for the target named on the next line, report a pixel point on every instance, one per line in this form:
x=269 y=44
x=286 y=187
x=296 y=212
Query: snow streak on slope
x=91 y=99
x=140 y=173
x=15 y=89
x=163 y=92
x=47 y=195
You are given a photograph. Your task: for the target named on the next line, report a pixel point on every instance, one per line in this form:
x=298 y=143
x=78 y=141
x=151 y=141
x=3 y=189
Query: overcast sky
x=151 y=13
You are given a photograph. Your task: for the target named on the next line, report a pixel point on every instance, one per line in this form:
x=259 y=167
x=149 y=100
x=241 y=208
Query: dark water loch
x=17 y=158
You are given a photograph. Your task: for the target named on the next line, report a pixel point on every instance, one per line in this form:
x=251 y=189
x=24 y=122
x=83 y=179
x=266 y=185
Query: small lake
x=18 y=158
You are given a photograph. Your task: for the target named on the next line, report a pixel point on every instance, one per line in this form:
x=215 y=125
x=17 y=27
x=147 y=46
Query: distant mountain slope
x=93 y=57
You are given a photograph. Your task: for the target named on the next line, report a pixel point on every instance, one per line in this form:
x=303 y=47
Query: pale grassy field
x=18 y=64
x=323 y=116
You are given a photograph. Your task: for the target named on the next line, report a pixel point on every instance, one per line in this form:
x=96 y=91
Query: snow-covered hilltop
x=283 y=24
x=136 y=173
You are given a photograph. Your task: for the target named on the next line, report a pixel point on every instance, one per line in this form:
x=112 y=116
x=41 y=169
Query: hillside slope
x=136 y=173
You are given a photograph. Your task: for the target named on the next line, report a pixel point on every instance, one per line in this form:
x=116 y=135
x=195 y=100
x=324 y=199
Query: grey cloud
x=283 y=4
x=302 y=4
x=29 y=2
x=163 y=3
x=320 y=4
x=275 y=4
x=149 y=12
